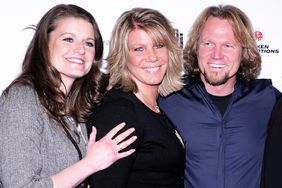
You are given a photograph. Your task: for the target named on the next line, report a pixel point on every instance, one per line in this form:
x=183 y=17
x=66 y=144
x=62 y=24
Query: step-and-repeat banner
x=16 y=15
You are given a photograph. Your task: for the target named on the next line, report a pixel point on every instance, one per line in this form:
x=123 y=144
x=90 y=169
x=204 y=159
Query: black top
x=159 y=157
x=221 y=102
x=272 y=165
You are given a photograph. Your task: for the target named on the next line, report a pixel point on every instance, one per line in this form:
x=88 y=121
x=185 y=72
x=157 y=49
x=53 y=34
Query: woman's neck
x=149 y=98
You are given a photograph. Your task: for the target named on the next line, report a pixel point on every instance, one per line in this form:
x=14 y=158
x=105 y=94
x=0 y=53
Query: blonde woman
x=144 y=62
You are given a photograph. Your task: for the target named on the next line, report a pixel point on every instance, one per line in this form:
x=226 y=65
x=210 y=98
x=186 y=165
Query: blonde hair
x=158 y=27
x=250 y=65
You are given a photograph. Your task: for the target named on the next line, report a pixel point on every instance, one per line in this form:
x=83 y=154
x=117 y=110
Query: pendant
x=157 y=108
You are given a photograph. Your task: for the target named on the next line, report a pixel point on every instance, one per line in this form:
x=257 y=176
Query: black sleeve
x=272 y=165
x=104 y=118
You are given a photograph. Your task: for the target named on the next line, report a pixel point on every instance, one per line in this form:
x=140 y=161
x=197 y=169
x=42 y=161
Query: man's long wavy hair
x=250 y=65
x=37 y=71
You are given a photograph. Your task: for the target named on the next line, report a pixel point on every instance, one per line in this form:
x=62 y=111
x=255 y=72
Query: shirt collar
x=193 y=81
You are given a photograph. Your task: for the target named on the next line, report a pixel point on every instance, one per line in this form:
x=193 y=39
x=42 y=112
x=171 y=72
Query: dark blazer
x=159 y=157
x=272 y=164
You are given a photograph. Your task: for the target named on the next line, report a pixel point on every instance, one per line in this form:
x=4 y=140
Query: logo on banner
x=258 y=35
x=264 y=48
x=179 y=37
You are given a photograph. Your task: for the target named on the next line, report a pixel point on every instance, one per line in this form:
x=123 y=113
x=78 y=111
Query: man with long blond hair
x=223 y=111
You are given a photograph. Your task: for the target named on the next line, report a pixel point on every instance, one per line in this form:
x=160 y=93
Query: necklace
x=78 y=128
x=152 y=104
x=157 y=108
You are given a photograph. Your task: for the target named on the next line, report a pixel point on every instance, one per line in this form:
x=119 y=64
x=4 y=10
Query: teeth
x=152 y=69
x=76 y=60
x=217 y=65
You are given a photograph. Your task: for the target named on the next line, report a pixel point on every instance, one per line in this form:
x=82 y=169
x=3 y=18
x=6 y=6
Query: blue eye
x=160 y=45
x=139 y=49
